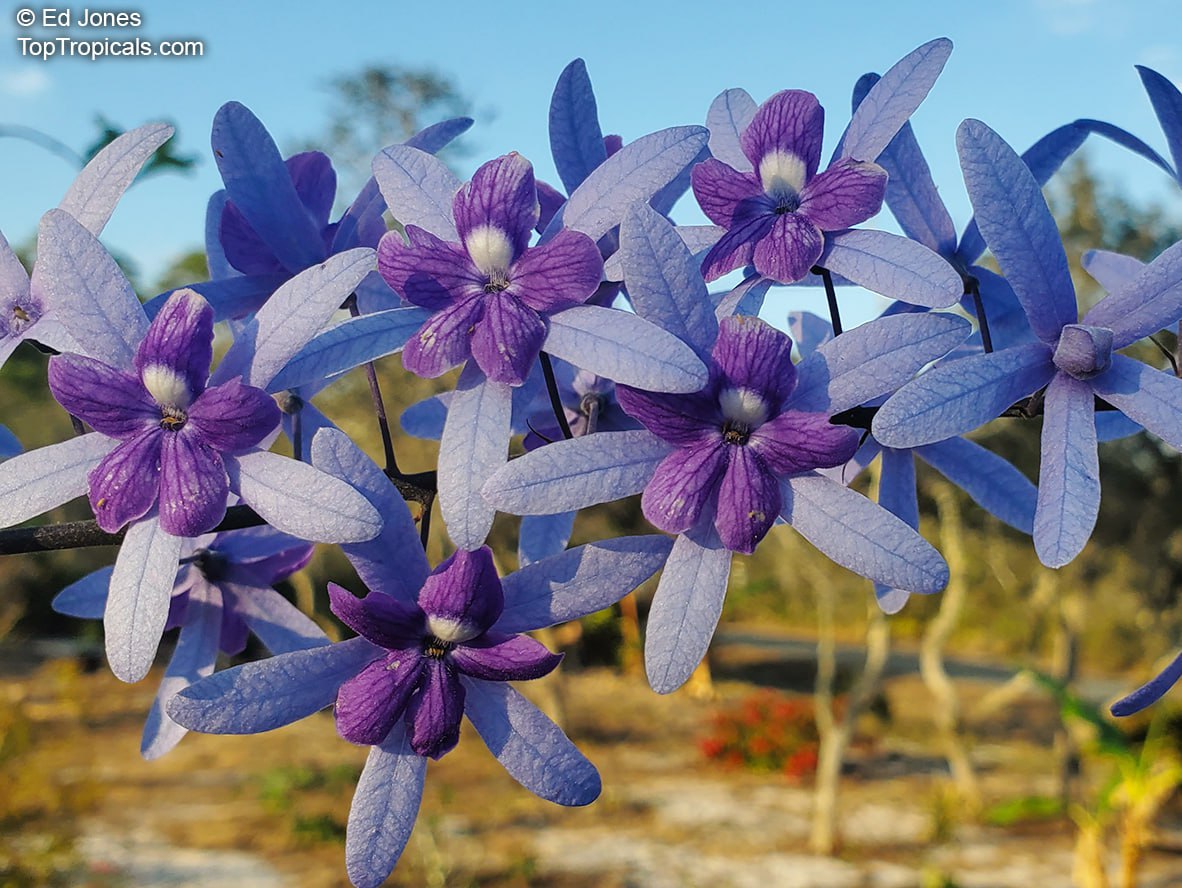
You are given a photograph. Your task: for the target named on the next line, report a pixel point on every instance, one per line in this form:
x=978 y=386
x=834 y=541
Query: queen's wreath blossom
x=433 y=646
x=720 y=465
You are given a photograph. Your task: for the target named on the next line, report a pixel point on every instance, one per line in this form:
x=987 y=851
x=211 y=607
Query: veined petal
x=233 y=417
x=126 y=483
x=721 y=190
x=193 y=483
x=498 y=657
x=507 y=339
x=445 y=340
x=427 y=271
x=847 y=193
x=371 y=702
x=109 y=400
x=893 y=266
x=680 y=420
x=789 y=249
x=796 y=442
x=501 y=196
x=462 y=598
x=1151 y=301
x=683 y=485
x=37 y=481
x=728 y=117
x=897 y=494
x=1112 y=271
x=737 y=247
x=315 y=182
x=1146 y=395
x=433 y=715
x=177 y=350
x=562 y=272
x=275 y=621
x=793 y=122
x=576 y=141
x=755 y=356
x=994 y=484
x=748 y=501
x=1069 y=472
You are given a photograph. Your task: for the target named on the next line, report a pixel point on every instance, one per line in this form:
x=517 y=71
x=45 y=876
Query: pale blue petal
x=1112 y=425
x=531 y=748
x=579 y=581
x=993 y=483
x=1149 y=302
x=729 y=115
x=634 y=173
x=311 y=421
x=299 y=499
x=350 y=344
x=1167 y=105
x=1069 y=472
x=897 y=494
x=543 y=535
x=85 y=598
x=385 y=807
x=957 y=397
x=276 y=622
x=1129 y=141
x=232 y=297
x=685 y=609
x=1019 y=228
x=873 y=359
x=437 y=136
x=745 y=299
x=892 y=100
x=425 y=419
x=809 y=332
x=1150 y=397
x=215 y=255
x=1150 y=692
x=1112 y=271
x=861 y=535
x=474 y=445
x=577 y=473
x=92 y=197
x=271 y=693
x=893 y=266
x=140 y=591
x=39 y=480
x=576 y=141
x=418 y=189
x=623 y=347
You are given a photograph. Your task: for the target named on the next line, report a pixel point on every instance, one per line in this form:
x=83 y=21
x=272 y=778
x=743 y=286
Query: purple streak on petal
x=897 y=494
x=685 y=609
x=268 y=694
x=543 y=535
x=433 y=715
x=736 y=248
x=194 y=658
x=92 y=196
x=873 y=359
x=957 y=397
x=847 y=193
x=579 y=581
x=39 y=480
x=1167 y=105
x=792 y=121
x=275 y=621
x=1149 y=302
x=193 y=484
x=560 y=273
x=508 y=339
x=385 y=807
x=1018 y=227
x=137 y=605
x=474 y=445
x=234 y=417
x=861 y=535
x=683 y=485
x=1146 y=395
x=1112 y=271
x=445 y=340
x=180 y=339
x=576 y=141
x=729 y=115
x=498 y=657
x=796 y=442
x=109 y=400
x=1069 y=473
x=501 y=195
x=893 y=266
x=789 y=249
x=261 y=187
x=994 y=484
x=78 y=277
x=754 y=355
x=464 y=592
x=126 y=483
x=1150 y=692
x=892 y=100
x=722 y=192
x=577 y=473
x=680 y=420
x=315 y=182
x=86 y=598
x=374 y=700
x=437 y=136
x=748 y=501
x=418 y=188
x=531 y=748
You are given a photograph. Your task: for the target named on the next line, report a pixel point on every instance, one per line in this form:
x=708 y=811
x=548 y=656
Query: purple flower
x=491 y=292
x=735 y=439
x=173 y=430
x=775 y=215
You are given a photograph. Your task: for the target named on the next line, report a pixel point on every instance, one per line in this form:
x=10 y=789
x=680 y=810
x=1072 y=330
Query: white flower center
x=168 y=387
x=491 y=251
x=743 y=407
x=782 y=175
x=449 y=630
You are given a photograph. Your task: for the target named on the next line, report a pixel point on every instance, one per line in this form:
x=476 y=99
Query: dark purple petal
x=720 y=190
x=754 y=355
x=507 y=339
x=791 y=121
x=124 y=486
x=789 y=250
x=435 y=712
x=445 y=340
x=428 y=271
x=234 y=632
x=681 y=420
x=748 y=501
x=242 y=246
x=847 y=193
x=109 y=400
x=682 y=486
x=315 y=182
x=796 y=442
x=560 y=273
x=496 y=656
x=370 y=703
x=180 y=343
x=193 y=483
x=234 y=417
x=462 y=597
x=737 y=247
x=550 y=201
x=503 y=196
x=379 y=618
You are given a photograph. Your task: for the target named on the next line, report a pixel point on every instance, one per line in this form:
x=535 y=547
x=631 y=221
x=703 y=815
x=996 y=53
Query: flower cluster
x=585 y=323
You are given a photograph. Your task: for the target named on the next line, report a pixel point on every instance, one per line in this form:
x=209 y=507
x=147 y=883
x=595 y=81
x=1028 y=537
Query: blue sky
x=1023 y=66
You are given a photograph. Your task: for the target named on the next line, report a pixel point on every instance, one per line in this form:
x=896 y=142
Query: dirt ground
x=80 y=807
